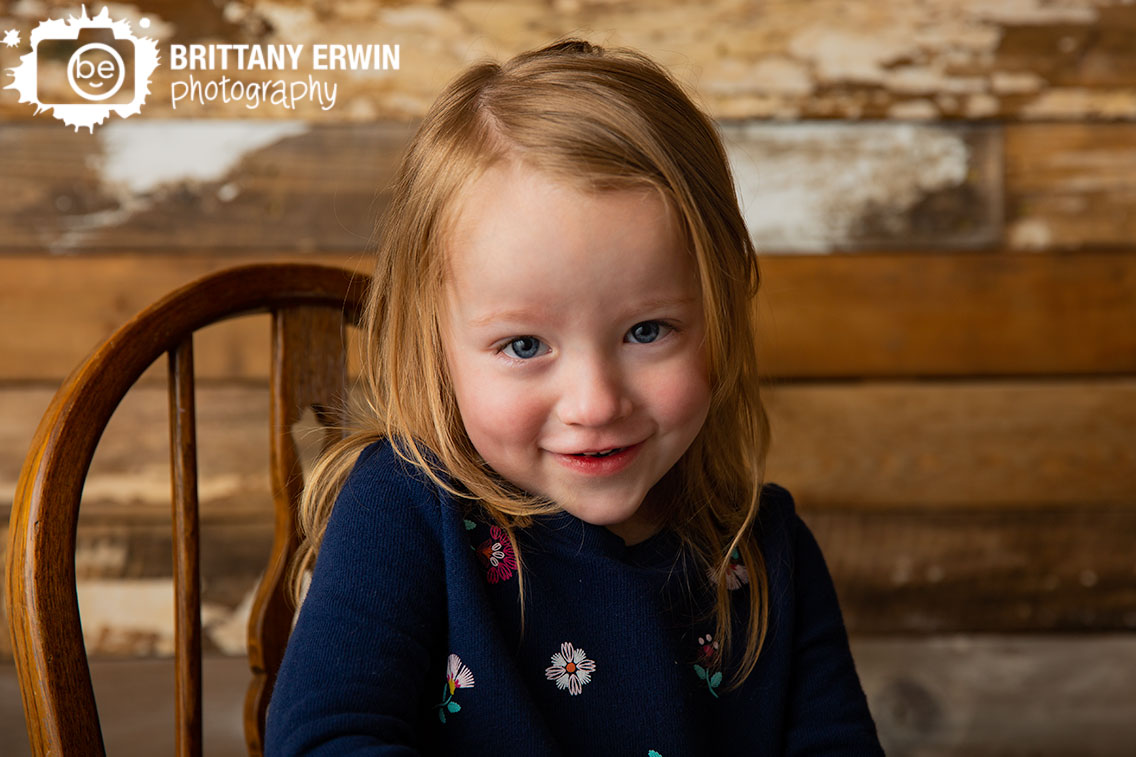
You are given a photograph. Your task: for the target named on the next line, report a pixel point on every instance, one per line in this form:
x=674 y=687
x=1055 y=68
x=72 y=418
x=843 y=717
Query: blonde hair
x=603 y=119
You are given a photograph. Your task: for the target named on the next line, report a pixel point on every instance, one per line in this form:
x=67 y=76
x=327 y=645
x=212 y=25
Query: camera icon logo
x=83 y=69
x=100 y=68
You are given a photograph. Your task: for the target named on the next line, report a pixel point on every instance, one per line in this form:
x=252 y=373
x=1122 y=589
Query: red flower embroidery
x=496 y=556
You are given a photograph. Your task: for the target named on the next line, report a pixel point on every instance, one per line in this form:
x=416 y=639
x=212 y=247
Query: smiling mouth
x=605 y=453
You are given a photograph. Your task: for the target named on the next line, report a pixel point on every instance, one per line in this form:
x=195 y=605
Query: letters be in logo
x=83 y=69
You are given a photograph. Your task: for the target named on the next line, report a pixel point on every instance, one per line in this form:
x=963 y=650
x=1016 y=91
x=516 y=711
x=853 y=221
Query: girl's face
x=573 y=325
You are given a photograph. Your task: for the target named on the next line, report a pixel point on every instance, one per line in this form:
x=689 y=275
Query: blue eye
x=523 y=347
x=646 y=332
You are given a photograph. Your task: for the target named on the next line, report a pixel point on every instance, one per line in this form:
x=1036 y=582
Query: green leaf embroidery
x=716 y=679
x=653 y=753
x=442 y=715
x=469 y=524
x=453 y=706
x=701 y=671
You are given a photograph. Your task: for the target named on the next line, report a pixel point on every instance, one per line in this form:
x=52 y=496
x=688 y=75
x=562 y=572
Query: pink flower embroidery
x=496 y=555
x=707 y=648
x=570 y=668
x=458 y=676
x=736 y=574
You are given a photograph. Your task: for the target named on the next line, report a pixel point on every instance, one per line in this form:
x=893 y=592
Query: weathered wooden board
x=815 y=187
x=1051 y=697
x=888 y=445
x=963 y=314
x=291 y=186
x=897 y=572
x=195 y=186
x=56 y=310
x=863 y=315
x=997 y=445
x=996 y=696
x=945 y=696
x=783 y=59
x=1070 y=186
x=982 y=569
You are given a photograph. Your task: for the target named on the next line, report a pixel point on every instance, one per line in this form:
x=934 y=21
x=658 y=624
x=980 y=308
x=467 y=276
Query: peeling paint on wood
x=195 y=186
x=286 y=186
x=816 y=187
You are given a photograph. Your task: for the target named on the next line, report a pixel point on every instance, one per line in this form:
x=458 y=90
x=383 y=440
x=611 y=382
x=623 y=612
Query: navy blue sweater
x=409 y=640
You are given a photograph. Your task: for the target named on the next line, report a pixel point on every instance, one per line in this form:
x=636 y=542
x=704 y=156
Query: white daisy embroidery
x=570 y=668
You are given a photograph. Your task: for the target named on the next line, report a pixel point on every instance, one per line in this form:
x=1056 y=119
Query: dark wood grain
x=186 y=550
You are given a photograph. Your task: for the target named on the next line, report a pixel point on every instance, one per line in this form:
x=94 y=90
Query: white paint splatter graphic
x=87 y=114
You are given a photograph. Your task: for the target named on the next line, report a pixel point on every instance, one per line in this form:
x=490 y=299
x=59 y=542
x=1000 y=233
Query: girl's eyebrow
x=504 y=315
x=651 y=303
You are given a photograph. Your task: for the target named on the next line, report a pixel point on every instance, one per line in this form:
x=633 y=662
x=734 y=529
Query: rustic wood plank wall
x=944 y=194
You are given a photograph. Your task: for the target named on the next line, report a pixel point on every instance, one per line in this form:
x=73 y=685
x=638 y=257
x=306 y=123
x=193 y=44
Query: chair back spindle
x=187 y=578
x=309 y=371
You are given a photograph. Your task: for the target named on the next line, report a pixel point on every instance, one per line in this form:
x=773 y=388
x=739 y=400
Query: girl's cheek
x=682 y=391
x=499 y=409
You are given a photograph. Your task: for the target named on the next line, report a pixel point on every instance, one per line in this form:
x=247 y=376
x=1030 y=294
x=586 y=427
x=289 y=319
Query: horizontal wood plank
x=863 y=315
x=817 y=187
x=235 y=187
x=997 y=696
x=996 y=444
x=186 y=185
x=940 y=507
x=981 y=570
x=1070 y=186
x=289 y=186
x=900 y=573
x=888 y=445
x=941 y=314
x=944 y=696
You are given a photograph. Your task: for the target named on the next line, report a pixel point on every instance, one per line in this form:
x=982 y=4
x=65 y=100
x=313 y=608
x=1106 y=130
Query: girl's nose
x=592 y=394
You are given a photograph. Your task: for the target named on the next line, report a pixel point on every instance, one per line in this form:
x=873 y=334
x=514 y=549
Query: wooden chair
x=310 y=306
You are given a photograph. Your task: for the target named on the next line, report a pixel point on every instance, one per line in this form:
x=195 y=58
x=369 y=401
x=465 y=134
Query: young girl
x=553 y=537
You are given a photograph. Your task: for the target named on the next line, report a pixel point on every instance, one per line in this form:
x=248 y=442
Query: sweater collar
x=568 y=530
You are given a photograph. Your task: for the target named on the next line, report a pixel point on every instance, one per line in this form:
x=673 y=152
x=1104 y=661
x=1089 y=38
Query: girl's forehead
x=511 y=198
x=526 y=236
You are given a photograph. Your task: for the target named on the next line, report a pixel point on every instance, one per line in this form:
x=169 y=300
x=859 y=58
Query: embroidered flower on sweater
x=705 y=654
x=458 y=676
x=736 y=574
x=496 y=555
x=570 y=668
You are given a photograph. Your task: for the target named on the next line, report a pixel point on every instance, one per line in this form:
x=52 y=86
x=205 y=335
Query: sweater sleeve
x=827 y=710
x=353 y=673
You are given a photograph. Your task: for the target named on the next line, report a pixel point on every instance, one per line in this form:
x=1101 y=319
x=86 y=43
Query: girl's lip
x=600 y=466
